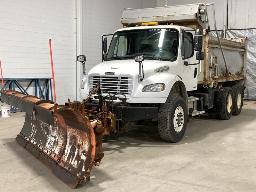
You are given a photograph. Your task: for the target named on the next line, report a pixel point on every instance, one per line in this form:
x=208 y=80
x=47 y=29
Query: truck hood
x=129 y=67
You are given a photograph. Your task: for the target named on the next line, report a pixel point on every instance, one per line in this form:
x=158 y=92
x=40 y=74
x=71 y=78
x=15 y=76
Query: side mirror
x=198 y=40
x=139 y=58
x=104 y=47
x=81 y=58
x=200 y=56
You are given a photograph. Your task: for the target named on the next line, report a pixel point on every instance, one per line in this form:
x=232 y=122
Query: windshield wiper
x=123 y=57
x=148 y=56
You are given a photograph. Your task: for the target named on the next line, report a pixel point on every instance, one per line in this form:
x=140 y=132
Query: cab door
x=190 y=64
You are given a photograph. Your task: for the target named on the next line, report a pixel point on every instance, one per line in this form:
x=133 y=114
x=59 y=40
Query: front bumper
x=136 y=113
x=128 y=113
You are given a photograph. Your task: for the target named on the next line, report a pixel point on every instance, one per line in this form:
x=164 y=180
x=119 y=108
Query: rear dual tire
x=229 y=102
x=238 y=93
x=225 y=103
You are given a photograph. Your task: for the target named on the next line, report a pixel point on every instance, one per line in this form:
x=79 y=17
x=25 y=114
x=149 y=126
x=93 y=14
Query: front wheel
x=172 y=119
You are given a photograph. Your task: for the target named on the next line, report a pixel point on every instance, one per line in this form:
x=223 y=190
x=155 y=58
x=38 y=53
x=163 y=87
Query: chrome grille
x=112 y=84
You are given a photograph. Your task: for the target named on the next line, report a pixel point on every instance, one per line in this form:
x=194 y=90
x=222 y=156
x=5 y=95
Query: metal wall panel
x=242 y=14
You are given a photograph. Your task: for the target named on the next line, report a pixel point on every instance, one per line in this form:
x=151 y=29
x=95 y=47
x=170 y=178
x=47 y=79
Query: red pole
x=53 y=76
x=1 y=73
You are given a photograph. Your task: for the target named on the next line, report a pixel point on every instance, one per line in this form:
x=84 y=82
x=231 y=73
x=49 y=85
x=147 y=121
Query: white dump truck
x=165 y=65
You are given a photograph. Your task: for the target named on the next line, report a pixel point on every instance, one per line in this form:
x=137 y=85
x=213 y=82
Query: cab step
x=192 y=99
x=192 y=106
x=196 y=113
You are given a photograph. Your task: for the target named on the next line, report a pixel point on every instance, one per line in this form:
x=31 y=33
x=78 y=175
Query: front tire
x=172 y=119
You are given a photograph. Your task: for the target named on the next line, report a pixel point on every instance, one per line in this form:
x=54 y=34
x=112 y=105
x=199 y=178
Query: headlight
x=158 y=87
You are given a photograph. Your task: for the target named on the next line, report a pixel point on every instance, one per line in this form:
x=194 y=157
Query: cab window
x=187 y=45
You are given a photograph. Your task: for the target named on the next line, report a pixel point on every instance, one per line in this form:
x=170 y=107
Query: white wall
x=25 y=27
x=103 y=17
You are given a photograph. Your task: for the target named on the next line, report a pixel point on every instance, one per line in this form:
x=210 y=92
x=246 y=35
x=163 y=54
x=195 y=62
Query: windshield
x=159 y=44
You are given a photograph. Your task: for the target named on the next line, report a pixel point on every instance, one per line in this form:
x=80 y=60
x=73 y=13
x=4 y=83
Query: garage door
x=25 y=27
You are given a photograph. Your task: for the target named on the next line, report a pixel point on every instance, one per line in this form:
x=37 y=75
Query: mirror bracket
x=81 y=58
x=139 y=59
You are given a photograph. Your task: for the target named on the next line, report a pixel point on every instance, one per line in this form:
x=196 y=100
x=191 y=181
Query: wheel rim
x=229 y=103
x=178 y=119
x=239 y=100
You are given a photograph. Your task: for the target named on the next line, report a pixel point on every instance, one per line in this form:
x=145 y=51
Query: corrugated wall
x=242 y=14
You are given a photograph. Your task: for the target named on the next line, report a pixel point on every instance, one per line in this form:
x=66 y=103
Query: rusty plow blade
x=59 y=136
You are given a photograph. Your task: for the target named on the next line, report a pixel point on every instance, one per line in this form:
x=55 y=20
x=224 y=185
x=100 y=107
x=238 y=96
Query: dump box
x=224 y=60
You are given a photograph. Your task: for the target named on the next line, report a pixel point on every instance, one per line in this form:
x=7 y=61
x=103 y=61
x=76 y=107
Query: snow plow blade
x=59 y=136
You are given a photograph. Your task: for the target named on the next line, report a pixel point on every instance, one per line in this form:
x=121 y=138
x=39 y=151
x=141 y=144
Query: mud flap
x=60 y=137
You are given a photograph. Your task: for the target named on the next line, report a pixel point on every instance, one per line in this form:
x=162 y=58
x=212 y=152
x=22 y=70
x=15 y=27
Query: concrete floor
x=214 y=156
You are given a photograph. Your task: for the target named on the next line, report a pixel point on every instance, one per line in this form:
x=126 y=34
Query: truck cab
x=169 y=57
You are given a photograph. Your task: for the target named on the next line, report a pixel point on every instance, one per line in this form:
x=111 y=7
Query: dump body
x=217 y=67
